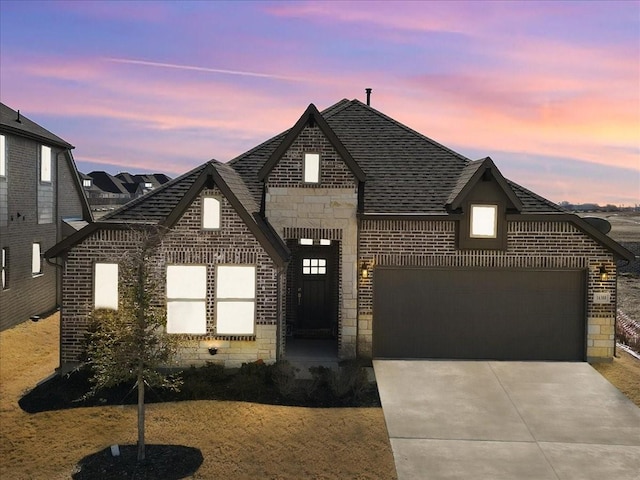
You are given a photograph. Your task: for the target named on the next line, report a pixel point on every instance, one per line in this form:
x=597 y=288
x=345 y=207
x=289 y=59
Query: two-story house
x=41 y=202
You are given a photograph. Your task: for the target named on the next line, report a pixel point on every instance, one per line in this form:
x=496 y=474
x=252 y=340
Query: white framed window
x=36 y=259
x=105 y=285
x=311 y=168
x=86 y=182
x=187 y=299
x=4 y=263
x=148 y=184
x=484 y=221
x=314 y=266
x=211 y=208
x=3 y=156
x=306 y=241
x=45 y=163
x=235 y=299
x=325 y=241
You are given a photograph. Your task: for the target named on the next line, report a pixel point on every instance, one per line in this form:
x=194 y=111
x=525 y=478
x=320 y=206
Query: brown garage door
x=479 y=314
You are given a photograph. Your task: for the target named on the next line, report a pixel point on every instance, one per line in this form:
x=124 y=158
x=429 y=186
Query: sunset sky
x=549 y=90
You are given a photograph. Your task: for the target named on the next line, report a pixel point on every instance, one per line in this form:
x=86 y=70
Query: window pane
x=311 y=168
x=45 y=164
x=105 y=286
x=186 y=281
x=36 y=260
x=324 y=241
x=484 y=221
x=306 y=241
x=210 y=213
x=86 y=183
x=186 y=317
x=306 y=262
x=235 y=318
x=3 y=157
x=236 y=281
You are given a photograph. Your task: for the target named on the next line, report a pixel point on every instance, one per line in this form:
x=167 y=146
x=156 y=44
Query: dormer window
x=484 y=221
x=86 y=183
x=311 y=168
x=210 y=213
x=148 y=185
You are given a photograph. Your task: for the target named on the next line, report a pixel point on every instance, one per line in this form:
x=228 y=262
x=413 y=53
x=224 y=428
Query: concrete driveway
x=507 y=420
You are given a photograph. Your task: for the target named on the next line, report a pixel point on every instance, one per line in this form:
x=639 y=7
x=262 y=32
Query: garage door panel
x=488 y=314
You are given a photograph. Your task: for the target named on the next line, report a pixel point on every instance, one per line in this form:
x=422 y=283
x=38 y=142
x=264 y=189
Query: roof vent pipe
x=368 y=90
x=18 y=119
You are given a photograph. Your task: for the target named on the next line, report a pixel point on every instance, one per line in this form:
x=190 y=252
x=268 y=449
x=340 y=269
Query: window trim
x=193 y=297
x=48 y=170
x=224 y=300
x=203 y=208
x=495 y=209
x=110 y=304
x=317 y=169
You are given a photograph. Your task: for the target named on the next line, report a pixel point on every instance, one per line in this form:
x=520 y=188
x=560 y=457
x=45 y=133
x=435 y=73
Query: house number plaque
x=602 y=297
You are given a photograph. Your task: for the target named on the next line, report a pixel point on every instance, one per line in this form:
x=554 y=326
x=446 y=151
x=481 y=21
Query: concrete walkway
x=507 y=420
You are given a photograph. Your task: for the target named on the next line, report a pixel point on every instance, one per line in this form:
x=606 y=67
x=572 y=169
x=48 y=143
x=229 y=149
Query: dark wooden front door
x=313 y=293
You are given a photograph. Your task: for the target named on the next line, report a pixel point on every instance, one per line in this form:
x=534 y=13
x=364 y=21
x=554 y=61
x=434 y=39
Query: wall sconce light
x=364 y=270
x=213 y=350
x=604 y=276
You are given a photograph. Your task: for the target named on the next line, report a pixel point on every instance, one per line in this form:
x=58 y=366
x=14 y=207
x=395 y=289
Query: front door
x=314 y=291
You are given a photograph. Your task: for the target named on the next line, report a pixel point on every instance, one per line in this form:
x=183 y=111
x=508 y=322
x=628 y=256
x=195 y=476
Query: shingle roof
x=406 y=172
x=18 y=124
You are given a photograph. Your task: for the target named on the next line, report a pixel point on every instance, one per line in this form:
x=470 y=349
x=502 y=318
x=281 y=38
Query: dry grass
x=237 y=440
x=624 y=374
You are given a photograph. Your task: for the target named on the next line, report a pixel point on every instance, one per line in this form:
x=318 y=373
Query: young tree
x=131 y=343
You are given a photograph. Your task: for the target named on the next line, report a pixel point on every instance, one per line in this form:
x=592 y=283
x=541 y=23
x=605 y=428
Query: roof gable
x=166 y=205
x=311 y=116
x=473 y=173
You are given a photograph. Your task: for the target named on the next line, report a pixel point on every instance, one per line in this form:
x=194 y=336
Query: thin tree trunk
x=140 y=416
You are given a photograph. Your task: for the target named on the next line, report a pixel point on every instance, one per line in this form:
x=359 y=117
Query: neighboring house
x=41 y=202
x=107 y=192
x=352 y=227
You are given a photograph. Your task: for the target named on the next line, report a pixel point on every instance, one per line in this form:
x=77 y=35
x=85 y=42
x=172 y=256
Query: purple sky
x=549 y=90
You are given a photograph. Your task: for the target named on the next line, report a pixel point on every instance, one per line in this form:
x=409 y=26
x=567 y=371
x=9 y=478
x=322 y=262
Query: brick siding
x=535 y=245
x=27 y=294
x=185 y=243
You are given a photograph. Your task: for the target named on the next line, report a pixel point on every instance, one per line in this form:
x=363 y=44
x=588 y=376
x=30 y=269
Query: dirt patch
x=238 y=440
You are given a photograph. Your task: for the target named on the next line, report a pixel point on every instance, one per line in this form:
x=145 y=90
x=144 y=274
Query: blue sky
x=549 y=90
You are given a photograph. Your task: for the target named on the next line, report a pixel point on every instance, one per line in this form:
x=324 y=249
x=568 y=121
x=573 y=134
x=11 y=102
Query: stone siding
x=530 y=245
x=185 y=243
x=326 y=210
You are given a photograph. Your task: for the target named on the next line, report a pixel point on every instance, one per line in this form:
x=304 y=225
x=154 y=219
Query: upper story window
x=311 y=168
x=3 y=156
x=148 y=184
x=36 y=259
x=484 y=221
x=105 y=286
x=86 y=182
x=211 y=213
x=45 y=163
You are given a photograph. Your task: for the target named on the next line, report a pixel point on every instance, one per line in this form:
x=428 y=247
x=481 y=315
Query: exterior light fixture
x=604 y=276
x=213 y=350
x=364 y=270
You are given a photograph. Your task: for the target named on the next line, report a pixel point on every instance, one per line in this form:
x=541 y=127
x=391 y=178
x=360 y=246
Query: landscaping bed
x=256 y=382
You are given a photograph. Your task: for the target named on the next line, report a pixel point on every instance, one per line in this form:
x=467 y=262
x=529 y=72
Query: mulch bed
x=162 y=462
x=254 y=384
